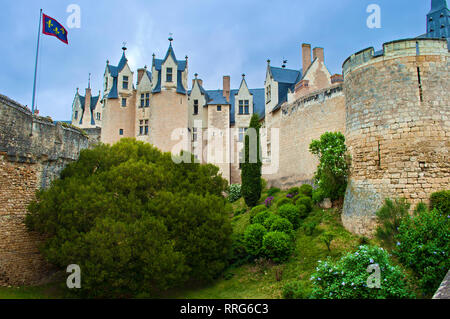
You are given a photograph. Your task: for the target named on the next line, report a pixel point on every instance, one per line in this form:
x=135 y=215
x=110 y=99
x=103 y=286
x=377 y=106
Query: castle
x=392 y=105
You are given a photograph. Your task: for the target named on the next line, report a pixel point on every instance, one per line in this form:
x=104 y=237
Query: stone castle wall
x=27 y=163
x=397 y=127
x=302 y=121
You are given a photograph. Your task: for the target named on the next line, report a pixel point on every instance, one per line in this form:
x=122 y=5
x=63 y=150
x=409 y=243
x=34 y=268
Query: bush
x=296 y=290
x=389 y=217
x=240 y=212
x=441 y=201
x=272 y=191
x=281 y=225
x=234 y=192
x=294 y=191
x=238 y=253
x=309 y=227
x=318 y=196
x=134 y=220
x=348 y=277
x=291 y=213
x=423 y=244
x=270 y=220
x=302 y=211
x=306 y=190
x=256 y=210
x=306 y=201
x=251 y=172
x=261 y=218
x=332 y=171
x=253 y=238
x=283 y=201
x=277 y=246
x=327 y=238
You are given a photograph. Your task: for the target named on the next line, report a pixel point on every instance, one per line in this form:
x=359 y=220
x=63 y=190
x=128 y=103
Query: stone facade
x=397 y=126
x=33 y=151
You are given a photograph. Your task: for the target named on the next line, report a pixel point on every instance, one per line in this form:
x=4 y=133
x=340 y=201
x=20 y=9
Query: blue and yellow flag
x=52 y=27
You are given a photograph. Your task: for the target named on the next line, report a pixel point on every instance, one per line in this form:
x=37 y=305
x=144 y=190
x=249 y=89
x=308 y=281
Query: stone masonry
x=33 y=151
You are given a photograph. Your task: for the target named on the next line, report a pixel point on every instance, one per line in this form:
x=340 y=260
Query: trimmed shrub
x=296 y=290
x=441 y=201
x=283 y=201
x=253 y=238
x=302 y=211
x=270 y=220
x=277 y=246
x=261 y=218
x=291 y=213
x=272 y=191
x=234 y=192
x=282 y=225
x=296 y=197
x=318 y=196
x=255 y=211
x=389 y=217
x=423 y=244
x=348 y=277
x=304 y=200
x=306 y=190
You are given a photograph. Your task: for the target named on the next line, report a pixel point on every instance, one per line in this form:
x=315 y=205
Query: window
x=268 y=93
x=124 y=102
x=243 y=107
x=169 y=75
x=98 y=116
x=141 y=127
x=106 y=83
x=147 y=99
x=219 y=108
x=194 y=134
x=195 y=107
x=142 y=100
x=121 y=131
x=242 y=131
x=146 y=127
x=125 y=82
x=76 y=115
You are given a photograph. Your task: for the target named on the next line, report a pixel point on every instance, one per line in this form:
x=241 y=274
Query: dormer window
x=106 y=83
x=219 y=108
x=169 y=75
x=195 y=107
x=125 y=83
x=268 y=93
x=124 y=102
x=76 y=115
x=244 y=107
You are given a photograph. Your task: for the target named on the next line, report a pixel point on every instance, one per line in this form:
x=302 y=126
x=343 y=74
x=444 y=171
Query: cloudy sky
x=228 y=37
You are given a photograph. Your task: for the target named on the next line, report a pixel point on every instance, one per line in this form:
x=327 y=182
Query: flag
x=52 y=27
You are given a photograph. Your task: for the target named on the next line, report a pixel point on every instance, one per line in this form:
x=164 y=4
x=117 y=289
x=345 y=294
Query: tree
x=251 y=168
x=332 y=171
x=135 y=221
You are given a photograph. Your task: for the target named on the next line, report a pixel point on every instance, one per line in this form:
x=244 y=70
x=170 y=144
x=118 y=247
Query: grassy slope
x=248 y=281
x=251 y=281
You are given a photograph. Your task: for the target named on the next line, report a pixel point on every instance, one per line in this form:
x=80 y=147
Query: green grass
x=48 y=291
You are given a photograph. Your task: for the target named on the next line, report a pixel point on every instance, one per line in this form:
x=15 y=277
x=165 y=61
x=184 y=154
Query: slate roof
x=215 y=97
x=181 y=66
x=287 y=79
x=94 y=101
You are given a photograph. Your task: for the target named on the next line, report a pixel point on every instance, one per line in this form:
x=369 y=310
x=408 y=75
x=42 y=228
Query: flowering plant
x=268 y=201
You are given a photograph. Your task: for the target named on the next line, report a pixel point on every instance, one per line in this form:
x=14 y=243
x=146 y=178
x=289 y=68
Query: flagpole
x=36 y=63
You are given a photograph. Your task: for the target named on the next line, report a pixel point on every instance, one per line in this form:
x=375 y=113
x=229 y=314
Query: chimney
x=318 y=53
x=306 y=56
x=140 y=75
x=226 y=87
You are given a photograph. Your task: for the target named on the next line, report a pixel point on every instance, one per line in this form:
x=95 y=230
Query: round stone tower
x=397 y=126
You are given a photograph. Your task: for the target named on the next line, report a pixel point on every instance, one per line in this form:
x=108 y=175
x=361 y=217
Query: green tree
x=251 y=168
x=332 y=171
x=134 y=220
